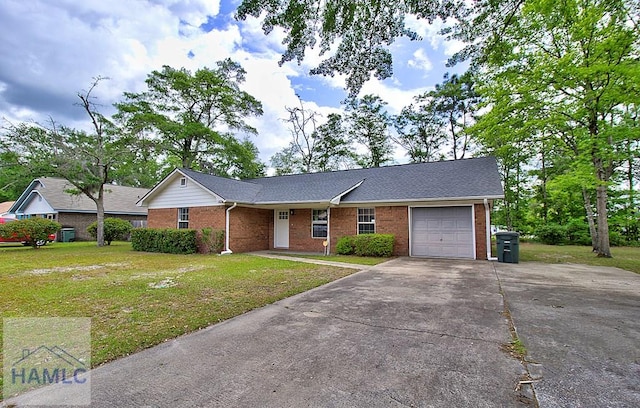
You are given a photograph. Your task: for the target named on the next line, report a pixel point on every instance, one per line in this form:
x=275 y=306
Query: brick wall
x=394 y=220
x=80 y=221
x=481 y=231
x=249 y=229
x=300 y=232
x=343 y=222
x=162 y=218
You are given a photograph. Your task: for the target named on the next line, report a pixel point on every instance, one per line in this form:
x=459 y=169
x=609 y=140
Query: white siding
x=175 y=196
x=36 y=205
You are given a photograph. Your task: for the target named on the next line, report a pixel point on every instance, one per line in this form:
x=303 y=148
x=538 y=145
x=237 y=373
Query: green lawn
x=137 y=300
x=627 y=258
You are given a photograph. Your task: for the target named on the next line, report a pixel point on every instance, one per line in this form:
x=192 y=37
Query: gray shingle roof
x=117 y=199
x=456 y=179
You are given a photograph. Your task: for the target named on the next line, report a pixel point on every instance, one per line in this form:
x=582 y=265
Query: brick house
x=438 y=209
x=48 y=197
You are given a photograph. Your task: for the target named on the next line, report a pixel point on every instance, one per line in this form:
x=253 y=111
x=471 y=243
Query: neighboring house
x=438 y=209
x=4 y=208
x=49 y=197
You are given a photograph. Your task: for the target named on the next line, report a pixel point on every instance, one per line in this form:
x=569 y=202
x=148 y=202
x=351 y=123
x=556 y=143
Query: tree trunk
x=590 y=219
x=603 y=224
x=100 y=209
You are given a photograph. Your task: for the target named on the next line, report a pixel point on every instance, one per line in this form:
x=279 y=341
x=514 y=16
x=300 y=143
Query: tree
x=84 y=159
x=300 y=155
x=114 y=228
x=33 y=231
x=363 y=31
x=14 y=177
x=368 y=124
x=191 y=116
x=575 y=64
x=313 y=147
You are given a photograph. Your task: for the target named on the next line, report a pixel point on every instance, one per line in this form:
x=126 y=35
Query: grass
x=137 y=300
x=627 y=258
x=352 y=259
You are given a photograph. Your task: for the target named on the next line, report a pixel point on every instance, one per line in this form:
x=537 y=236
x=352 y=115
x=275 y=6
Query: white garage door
x=442 y=232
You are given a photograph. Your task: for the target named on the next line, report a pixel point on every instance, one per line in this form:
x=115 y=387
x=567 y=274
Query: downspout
x=226 y=232
x=487 y=216
x=328 y=249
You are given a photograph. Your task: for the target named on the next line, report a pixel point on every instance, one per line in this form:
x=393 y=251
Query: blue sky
x=52 y=49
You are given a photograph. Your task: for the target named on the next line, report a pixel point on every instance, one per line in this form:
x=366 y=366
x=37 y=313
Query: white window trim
x=183 y=182
x=358 y=223
x=319 y=222
x=180 y=220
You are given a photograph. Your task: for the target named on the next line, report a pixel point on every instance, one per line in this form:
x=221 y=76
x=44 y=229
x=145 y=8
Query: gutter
x=487 y=216
x=227 y=251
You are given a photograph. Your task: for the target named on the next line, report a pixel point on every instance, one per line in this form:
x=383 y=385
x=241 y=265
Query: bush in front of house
x=344 y=246
x=210 y=241
x=33 y=231
x=166 y=240
x=114 y=229
x=379 y=245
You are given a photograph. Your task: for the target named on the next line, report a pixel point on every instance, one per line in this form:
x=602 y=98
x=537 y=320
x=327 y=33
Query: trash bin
x=508 y=244
x=68 y=234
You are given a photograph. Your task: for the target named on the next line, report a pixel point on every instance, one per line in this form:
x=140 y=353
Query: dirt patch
x=86 y=268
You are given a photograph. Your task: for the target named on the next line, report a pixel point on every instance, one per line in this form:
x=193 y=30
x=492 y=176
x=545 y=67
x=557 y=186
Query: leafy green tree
x=335 y=150
x=362 y=30
x=575 y=64
x=14 y=177
x=85 y=159
x=192 y=115
x=368 y=124
x=420 y=131
x=114 y=229
x=34 y=231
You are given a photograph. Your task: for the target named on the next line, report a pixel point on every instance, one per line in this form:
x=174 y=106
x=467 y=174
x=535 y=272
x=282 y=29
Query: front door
x=281 y=229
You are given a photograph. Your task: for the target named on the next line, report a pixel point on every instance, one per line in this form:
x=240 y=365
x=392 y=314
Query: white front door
x=281 y=229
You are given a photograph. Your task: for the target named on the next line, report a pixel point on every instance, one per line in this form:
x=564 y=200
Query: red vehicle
x=22 y=240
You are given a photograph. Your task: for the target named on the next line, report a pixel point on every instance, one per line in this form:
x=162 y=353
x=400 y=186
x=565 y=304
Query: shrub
x=380 y=245
x=114 y=229
x=33 y=231
x=210 y=240
x=344 y=246
x=578 y=232
x=551 y=234
x=168 y=240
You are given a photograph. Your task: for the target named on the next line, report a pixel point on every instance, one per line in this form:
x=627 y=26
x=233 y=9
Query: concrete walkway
x=405 y=333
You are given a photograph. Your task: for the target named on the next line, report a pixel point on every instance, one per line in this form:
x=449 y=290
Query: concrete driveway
x=407 y=333
x=581 y=327
x=418 y=333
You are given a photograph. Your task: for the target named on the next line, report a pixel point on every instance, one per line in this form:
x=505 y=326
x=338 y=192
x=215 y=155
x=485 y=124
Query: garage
x=442 y=232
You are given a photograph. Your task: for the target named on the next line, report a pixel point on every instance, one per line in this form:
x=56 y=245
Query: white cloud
x=420 y=61
x=51 y=49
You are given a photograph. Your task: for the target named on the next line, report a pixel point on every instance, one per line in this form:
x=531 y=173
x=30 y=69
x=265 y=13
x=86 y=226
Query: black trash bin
x=508 y=244
x=68 y=234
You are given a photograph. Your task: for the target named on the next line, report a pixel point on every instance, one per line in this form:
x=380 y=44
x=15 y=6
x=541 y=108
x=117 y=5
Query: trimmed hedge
x=379 y=245
x=210 y=241
x=167 y=240
x=114 y=229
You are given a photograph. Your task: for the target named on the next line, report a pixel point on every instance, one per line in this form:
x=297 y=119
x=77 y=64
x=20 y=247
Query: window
x=183 y=182
x=319 y=224
x=183 y=218
x=283 y=215
x=366 y=220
